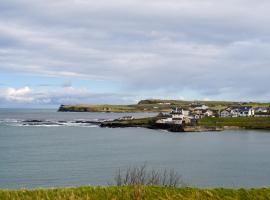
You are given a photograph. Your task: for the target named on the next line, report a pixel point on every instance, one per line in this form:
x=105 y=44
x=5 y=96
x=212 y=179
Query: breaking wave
x=51 y=123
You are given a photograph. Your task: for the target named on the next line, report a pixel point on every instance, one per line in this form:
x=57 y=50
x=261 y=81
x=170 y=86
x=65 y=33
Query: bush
x=142 y=176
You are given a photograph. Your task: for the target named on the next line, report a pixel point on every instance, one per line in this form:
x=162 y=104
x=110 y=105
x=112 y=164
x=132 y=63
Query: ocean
x=45 y=148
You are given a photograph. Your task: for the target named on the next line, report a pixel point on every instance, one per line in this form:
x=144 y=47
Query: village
x=190 y=116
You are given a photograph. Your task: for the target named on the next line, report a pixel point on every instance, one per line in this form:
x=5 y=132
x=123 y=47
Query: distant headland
x=185 y=116
x=157 y=105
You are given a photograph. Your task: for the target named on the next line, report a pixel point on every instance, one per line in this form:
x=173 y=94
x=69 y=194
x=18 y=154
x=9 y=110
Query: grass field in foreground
x=135 y=192
x=242 y=122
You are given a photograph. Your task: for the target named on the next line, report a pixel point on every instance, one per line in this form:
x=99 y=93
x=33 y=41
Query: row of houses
x=183 y=116
x=245 y=111
x=190 y=116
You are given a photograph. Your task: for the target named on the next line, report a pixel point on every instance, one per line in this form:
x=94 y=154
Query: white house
x=225 y=113
x=164 y=121
x=243 y=111
x=235 y=112
x=126 y=118
x=208 y=113
x=202 y=107
x=246 y=111
x=180 y=111
x=175 y=117
x=164 y=103
x=261 y=110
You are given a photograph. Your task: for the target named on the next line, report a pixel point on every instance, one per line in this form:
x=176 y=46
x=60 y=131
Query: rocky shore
x=150 y=123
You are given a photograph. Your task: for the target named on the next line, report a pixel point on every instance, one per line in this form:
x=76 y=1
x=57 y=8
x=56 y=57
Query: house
x=126 y=118
x=197 y=112
x=242 y=111
x=202 y=107
x=235 y=112
x=208 y=113
x=180 y=111
x=164 y=121
x=225 y=113
x=164 y=115
x=175 y=117
x=261 y=110
x=261 y=114
x=246 y=111
x=164 y=103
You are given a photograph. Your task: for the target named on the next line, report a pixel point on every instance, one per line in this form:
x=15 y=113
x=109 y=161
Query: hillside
x=153 y=105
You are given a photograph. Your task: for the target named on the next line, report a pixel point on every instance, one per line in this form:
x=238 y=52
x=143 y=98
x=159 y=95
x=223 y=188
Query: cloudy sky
x=119 y=51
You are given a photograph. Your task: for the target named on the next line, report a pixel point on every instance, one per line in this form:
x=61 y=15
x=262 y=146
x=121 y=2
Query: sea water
x=66 y=149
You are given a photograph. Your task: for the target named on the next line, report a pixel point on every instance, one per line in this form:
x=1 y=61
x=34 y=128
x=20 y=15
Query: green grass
x=153 y=105
x=242 y=122
x=116 y=108
x=136 y=193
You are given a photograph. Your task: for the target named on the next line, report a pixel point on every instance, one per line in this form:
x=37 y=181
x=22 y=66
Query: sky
x=120 y=51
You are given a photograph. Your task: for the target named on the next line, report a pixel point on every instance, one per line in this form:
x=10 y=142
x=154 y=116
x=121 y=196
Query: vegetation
x=242 y=122
x=142 y=176
x=141 y=122
x=204 y=124
x=135 y=193
x=155 y=105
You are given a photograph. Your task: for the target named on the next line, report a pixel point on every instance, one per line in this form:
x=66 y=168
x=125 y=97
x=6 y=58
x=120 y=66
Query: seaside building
x=225 y=113
x=242 y=111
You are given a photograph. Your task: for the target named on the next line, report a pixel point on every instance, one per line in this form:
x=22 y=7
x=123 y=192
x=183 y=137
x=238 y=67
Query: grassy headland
x=154 y=105
x=241 y=122
x=135 y=192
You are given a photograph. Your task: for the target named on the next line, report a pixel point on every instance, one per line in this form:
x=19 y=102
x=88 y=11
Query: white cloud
x=21 y=95
x=59 y=95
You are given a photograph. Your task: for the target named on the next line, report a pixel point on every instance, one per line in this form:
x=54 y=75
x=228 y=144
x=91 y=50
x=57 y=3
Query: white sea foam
x=50 y=123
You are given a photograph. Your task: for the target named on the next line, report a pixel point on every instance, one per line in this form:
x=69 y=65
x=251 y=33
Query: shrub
x=142 y=176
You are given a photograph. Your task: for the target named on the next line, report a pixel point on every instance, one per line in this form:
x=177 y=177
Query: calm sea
x=66 y=149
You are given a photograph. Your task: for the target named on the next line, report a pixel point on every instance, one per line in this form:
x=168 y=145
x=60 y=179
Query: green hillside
x=154 y=105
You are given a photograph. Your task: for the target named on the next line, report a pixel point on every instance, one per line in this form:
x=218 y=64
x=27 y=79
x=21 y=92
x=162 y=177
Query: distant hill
x=155 y=105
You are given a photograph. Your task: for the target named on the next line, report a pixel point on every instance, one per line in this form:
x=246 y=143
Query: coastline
x=203 y=125
x=205 y=115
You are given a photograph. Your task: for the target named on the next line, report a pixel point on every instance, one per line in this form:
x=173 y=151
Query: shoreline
x=201 y=125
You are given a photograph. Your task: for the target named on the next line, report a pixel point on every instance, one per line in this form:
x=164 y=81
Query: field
x=154 y=105
x=242 y=122
x=136 y=193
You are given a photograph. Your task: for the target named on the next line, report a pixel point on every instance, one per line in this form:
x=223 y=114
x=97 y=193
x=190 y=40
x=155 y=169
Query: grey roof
x=244 y=108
